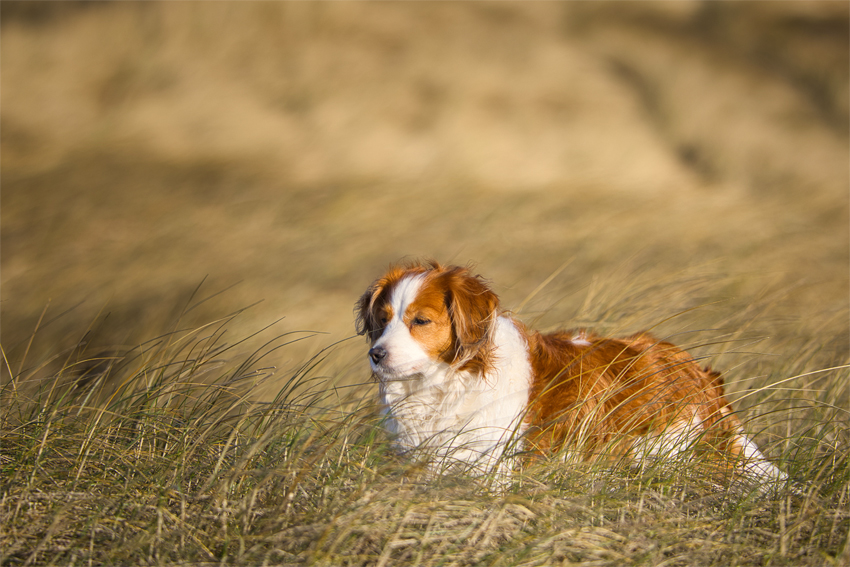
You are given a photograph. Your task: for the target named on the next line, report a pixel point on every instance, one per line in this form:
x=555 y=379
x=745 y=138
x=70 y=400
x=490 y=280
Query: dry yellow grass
x=687 y=162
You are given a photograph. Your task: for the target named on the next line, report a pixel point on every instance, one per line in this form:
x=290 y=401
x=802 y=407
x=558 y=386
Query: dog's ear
x=364 y=316
x=367 y=321
x=473 y=308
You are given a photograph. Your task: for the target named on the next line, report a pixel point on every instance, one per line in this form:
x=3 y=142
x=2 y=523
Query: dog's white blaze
x=405 y=293
x=404 y=355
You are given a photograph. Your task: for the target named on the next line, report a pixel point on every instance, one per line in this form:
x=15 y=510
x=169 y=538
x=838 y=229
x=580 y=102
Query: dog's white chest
x=459 y=416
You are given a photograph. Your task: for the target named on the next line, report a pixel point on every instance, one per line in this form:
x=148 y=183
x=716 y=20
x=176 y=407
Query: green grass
x=160 y=456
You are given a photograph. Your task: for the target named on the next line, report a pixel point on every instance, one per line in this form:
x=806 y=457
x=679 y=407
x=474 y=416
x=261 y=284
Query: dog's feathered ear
x=366 y=320
x=473 y=309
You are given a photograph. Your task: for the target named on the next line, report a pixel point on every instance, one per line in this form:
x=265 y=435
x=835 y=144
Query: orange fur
x=614 y=390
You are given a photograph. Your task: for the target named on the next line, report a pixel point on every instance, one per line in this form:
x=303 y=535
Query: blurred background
x=624 y=165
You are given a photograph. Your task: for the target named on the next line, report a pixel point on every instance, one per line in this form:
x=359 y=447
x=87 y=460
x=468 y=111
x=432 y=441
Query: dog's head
x=423 y=315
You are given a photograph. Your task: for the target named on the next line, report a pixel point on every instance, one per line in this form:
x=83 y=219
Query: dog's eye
x=385 y=320
x=420 y=321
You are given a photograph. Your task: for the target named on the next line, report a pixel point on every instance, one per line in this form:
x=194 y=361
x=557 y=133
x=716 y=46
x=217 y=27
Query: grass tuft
x=160 y=456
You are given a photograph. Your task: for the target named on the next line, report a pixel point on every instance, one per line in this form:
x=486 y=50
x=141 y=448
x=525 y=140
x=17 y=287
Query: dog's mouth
x=385 y=372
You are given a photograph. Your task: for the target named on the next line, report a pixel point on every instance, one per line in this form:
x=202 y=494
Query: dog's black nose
x=377 y=354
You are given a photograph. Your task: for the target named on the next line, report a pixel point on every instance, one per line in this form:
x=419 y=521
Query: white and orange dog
x=467 y=383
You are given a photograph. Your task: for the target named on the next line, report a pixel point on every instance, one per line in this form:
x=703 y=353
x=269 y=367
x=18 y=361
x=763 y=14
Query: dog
x=467 y=383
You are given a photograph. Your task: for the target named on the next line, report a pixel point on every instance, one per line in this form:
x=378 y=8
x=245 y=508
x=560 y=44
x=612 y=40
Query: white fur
x=681 y=436
x=580 y=339
x=674 y=440
x=405 y=356
x=455 y=414
x=754 y=463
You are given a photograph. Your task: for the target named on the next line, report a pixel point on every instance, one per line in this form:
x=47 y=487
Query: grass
x=160 y=456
